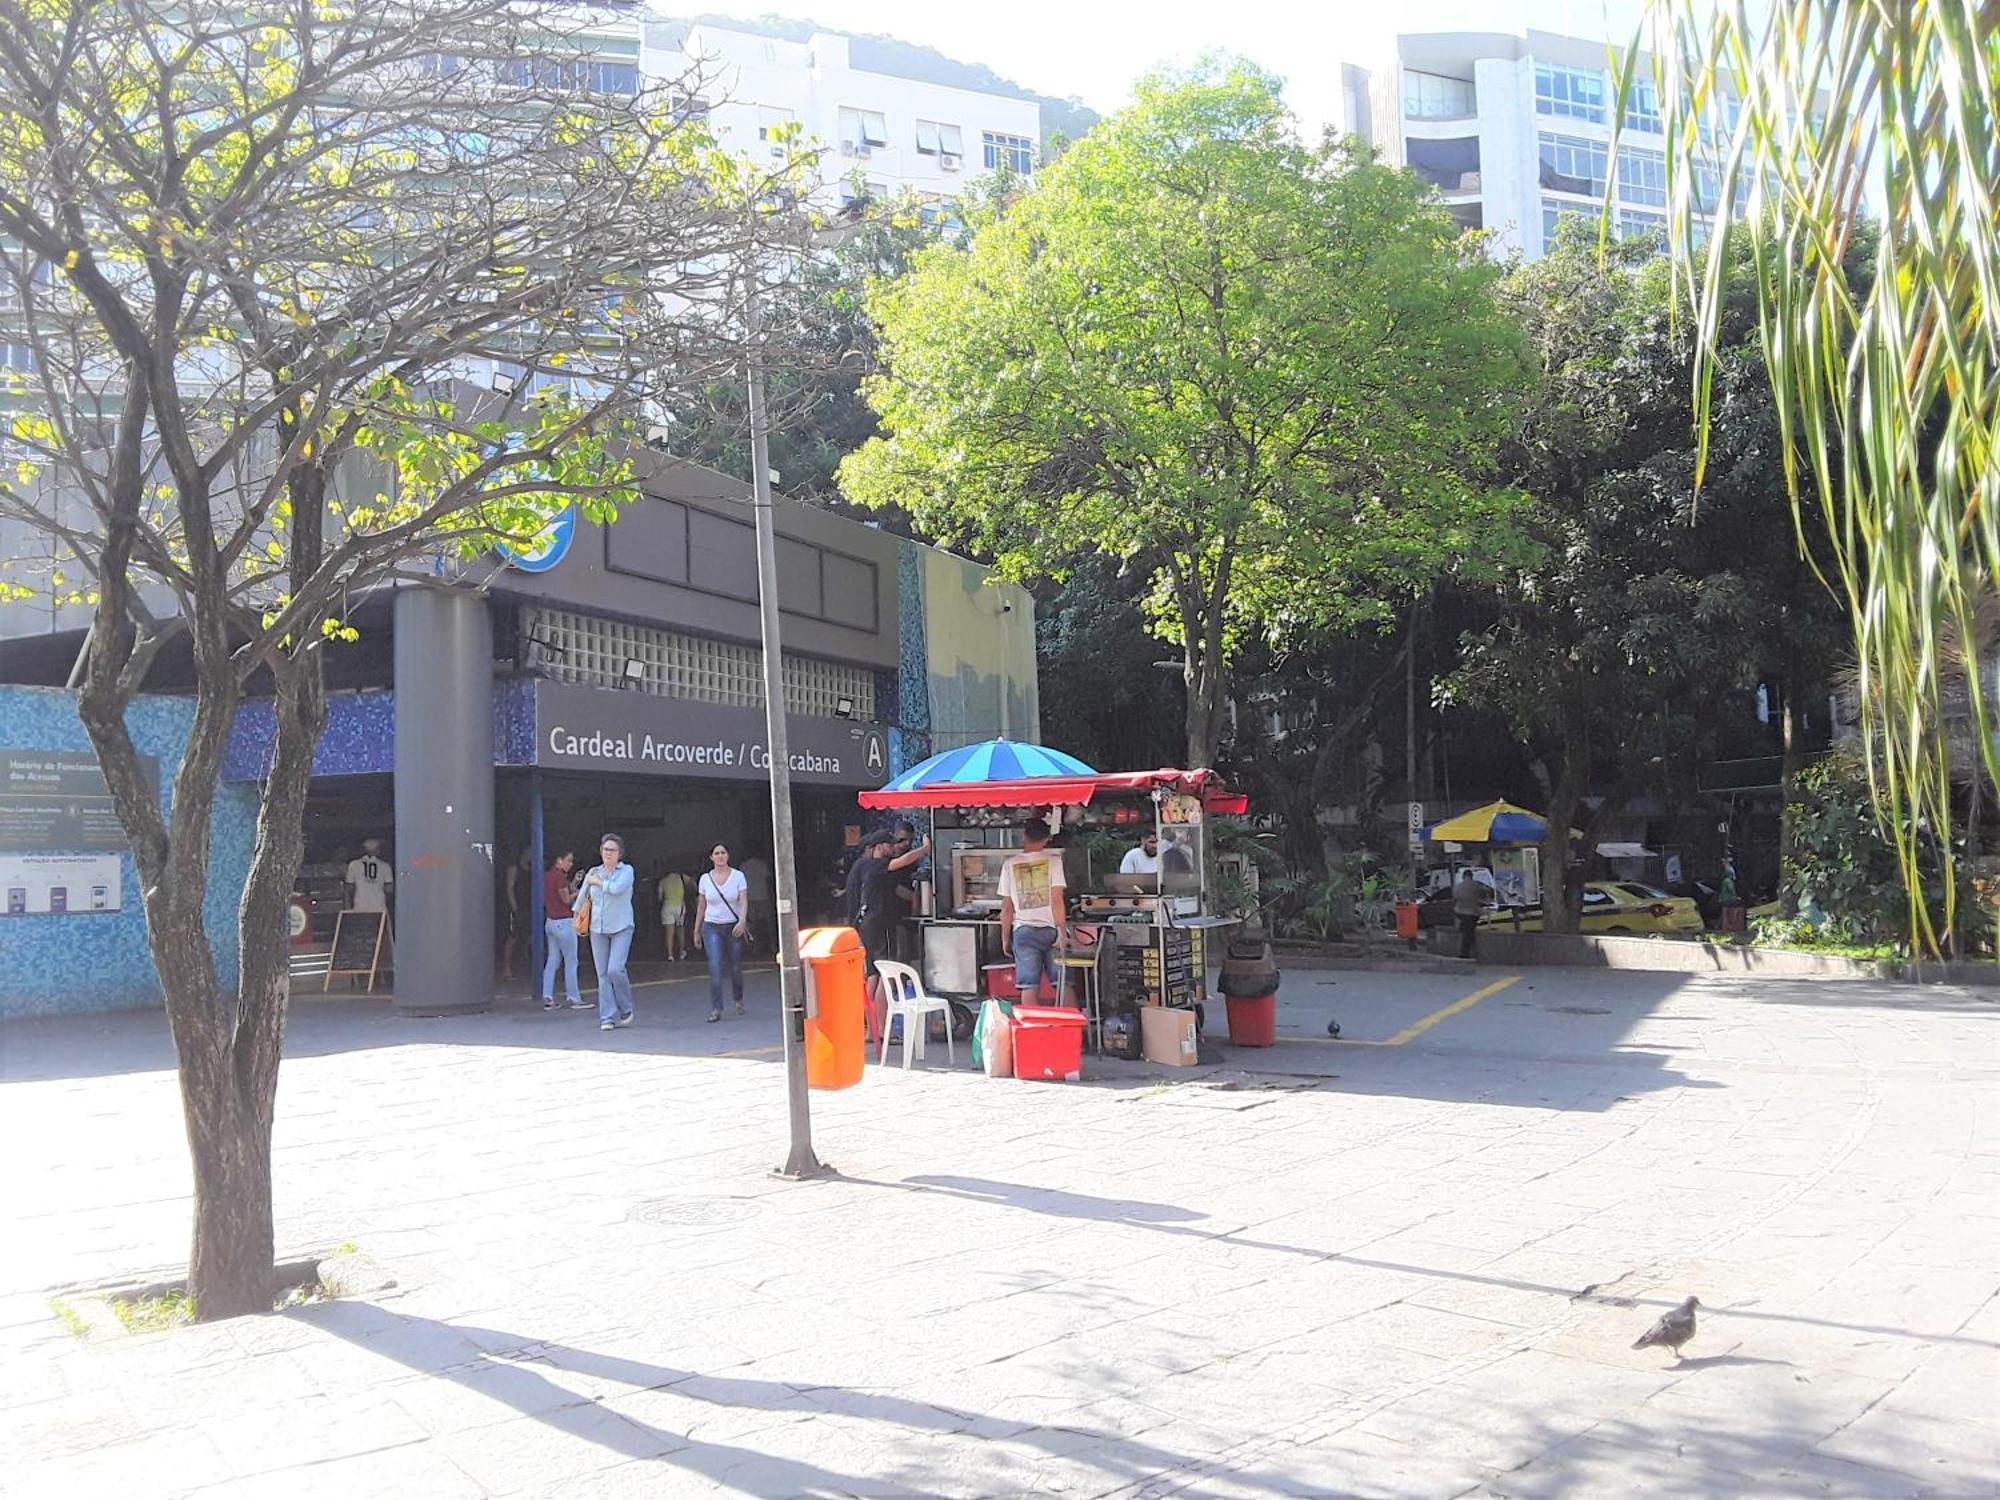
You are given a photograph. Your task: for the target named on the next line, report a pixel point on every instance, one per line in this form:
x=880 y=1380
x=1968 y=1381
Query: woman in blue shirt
x=609 y=888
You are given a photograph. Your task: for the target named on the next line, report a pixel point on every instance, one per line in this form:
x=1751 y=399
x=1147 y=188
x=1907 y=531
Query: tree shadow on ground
x=503 y=1367
x=1169 y=1219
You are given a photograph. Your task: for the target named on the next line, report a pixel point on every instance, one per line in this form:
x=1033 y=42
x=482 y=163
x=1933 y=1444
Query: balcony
x=1451 y=164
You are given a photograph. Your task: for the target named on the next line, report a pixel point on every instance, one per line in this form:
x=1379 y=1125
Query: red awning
x=1065 y=791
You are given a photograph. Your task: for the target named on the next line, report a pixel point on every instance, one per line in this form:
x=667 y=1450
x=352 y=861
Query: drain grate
x=692 y=1211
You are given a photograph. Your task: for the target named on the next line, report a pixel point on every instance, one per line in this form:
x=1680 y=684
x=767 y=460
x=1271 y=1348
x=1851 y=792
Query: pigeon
x=1673 y=1330
x=1333 y=1028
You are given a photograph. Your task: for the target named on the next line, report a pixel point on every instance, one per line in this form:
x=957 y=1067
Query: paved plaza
x=1407 y=1263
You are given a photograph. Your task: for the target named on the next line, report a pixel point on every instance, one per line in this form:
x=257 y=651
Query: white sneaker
x=604 y=1026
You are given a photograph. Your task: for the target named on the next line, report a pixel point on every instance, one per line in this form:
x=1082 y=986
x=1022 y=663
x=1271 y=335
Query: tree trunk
x=1560 y=903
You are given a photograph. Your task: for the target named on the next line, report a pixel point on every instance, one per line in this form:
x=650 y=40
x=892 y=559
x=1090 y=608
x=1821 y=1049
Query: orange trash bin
x=837 y=987
x=1406 y=921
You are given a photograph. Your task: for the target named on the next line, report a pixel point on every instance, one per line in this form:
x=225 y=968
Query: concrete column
x=444 y=802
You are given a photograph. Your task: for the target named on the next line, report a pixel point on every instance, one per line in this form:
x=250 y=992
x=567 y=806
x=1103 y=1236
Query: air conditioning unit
x=864 y=152
x=848 y=148
x=948 y=162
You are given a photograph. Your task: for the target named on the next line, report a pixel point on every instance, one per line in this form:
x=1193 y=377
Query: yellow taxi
x=1614 y=906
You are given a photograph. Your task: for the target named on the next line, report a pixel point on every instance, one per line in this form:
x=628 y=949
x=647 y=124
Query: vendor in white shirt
x=1144 y=860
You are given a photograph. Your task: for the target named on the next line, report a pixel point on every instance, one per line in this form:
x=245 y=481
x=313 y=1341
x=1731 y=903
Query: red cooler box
x=1000 y=984
x=1048 y=1042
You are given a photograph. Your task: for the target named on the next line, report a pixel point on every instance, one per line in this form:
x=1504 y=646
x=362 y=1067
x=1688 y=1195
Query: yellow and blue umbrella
x=989 y=760
x=1495 y=823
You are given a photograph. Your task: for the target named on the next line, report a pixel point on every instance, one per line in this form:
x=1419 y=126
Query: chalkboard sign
x=360 y=942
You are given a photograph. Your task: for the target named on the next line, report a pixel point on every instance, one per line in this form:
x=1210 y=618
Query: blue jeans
x=562 y=951
x=608 y=951
x=1032 y=961
x=725 y=955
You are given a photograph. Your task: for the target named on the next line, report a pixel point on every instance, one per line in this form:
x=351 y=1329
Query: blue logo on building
x=548 y=549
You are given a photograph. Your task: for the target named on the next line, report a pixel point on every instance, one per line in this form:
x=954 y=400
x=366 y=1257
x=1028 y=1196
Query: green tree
x=1609 y=655
x=252 y=246
x=1851 y=113
x=1263 y=373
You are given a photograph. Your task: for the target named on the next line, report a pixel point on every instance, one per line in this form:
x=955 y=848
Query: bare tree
x=255 y=249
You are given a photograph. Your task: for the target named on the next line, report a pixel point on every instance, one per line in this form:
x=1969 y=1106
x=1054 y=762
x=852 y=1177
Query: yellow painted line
x=1412 y=1032
x=751 y=1052
x=1418 y=1028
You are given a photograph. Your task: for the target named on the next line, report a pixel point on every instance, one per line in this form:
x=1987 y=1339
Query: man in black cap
x=872 y=908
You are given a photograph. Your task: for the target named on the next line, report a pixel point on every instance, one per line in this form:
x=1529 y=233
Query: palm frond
x=1886 y=385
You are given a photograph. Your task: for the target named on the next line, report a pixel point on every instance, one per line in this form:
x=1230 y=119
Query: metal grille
x=575 y=647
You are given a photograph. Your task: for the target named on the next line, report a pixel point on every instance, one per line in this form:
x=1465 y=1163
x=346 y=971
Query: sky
x=1094 y=49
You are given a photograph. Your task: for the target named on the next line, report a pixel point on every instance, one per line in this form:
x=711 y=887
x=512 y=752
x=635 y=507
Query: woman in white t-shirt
x=722 y=913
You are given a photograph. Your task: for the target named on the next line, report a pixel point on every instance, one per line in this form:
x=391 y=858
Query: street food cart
x=1158 y=925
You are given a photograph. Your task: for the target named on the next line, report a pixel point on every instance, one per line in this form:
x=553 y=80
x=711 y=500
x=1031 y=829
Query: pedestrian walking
x=757 y=889
x=1468 y=904
x=559 y=927
x=673 y=894
x=608 y=888
x=722 y=913
x=519 y=873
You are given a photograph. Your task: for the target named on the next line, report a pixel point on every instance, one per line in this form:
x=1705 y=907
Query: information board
x=57 y=800
x=360 y=946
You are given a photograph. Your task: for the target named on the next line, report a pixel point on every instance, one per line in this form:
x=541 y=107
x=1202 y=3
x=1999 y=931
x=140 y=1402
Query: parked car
x=1613 y=906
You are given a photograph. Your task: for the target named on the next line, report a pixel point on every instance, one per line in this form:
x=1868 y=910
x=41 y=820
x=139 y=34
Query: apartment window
x=1554 y=211
x=1452 y=164
x=935 y=138
x=1014 y=153
x=18 y=357
x=1570 y=92
x=1432 y=96
x=1573 y=165
x=13 y=284
x=609 y=77
x=1642 y=107
x=1636 y=224
x=1642 y=178
x=771 y=122
x=575 y=647
x=863 y=128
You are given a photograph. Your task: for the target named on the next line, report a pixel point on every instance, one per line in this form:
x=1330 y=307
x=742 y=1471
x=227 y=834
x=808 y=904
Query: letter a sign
x=874 y=752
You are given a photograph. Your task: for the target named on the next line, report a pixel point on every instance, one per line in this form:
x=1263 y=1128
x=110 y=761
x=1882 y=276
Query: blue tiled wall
x=911 y=742
x=52 y=965
x=361 y=733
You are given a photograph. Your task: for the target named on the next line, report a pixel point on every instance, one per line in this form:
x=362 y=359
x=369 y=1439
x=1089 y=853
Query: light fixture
x=843 y=708
x=504 y=383
x=635 y=671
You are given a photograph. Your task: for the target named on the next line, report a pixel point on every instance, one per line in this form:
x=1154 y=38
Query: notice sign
x=602 y=729
x=57 y=799
x=59 y=885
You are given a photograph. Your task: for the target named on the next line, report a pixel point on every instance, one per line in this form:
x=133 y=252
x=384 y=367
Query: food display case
x=1151 y=932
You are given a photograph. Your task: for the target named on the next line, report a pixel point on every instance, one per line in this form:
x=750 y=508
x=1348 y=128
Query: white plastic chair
x=903 y=995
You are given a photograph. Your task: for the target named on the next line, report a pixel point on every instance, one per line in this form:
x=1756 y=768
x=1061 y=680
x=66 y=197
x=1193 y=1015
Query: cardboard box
x=1169 y=1038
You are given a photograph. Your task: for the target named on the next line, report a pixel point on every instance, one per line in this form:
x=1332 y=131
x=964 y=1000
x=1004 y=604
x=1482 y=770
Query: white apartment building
x=1516 y=131
x=881 y=133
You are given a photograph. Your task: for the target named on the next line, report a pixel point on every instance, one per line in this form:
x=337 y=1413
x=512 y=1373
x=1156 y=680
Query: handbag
x=583 y=916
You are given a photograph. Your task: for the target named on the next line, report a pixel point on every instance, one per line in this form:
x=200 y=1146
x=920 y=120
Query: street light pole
x=800 y=1161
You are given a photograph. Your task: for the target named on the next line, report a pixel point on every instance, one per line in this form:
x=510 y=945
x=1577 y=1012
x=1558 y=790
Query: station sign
x=584 y=728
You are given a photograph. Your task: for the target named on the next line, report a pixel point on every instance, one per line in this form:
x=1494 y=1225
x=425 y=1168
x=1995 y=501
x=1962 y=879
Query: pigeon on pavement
x=1673 y=1330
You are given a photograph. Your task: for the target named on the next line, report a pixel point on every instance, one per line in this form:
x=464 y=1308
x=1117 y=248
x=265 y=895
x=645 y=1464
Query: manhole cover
x=1576 y=1010
x=692 y=1211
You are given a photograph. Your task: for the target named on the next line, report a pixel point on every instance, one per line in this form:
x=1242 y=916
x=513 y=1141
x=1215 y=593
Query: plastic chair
x=903 y=995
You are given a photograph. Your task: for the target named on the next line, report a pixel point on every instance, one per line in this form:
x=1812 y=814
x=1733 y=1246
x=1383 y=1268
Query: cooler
x=1048 y=1042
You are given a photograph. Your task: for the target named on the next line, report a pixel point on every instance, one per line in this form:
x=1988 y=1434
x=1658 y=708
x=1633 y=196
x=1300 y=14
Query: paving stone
x=1122 y=1288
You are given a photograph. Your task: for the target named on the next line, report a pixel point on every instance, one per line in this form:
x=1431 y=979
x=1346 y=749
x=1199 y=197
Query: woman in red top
x=558 y=892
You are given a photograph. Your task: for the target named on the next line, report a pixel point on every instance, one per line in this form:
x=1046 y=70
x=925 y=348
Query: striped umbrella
x=990 y=760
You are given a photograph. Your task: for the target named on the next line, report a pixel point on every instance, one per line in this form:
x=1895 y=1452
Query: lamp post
x=800 y=1160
